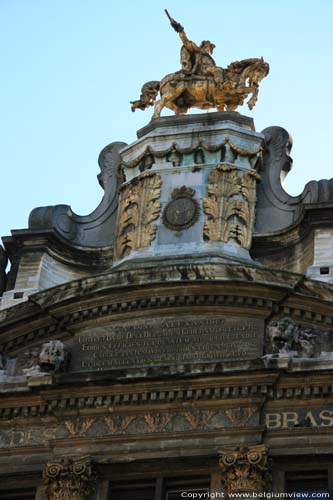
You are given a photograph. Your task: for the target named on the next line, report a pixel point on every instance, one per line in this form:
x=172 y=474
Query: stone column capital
x=245 y=470
x=69 y=479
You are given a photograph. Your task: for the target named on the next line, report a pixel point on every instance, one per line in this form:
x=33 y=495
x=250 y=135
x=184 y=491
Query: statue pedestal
x=189 y=191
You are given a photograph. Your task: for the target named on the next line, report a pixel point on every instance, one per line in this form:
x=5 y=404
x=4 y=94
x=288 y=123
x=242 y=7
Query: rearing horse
x=181 y=91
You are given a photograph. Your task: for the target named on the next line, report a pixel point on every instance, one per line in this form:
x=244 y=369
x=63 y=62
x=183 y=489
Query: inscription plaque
x=167 y=341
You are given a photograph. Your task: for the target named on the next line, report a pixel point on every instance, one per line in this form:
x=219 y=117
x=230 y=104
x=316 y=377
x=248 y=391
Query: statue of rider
x=197 y=60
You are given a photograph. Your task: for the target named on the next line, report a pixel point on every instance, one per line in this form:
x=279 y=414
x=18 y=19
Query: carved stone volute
x=245 y=470
x=3 y=263
x=69 y=479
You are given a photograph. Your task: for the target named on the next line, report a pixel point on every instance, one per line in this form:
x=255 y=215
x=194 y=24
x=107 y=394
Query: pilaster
x=245 y=470
x=69 y=479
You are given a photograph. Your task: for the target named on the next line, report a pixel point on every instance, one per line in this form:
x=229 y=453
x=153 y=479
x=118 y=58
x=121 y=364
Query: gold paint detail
x=157 y=422
x=198 y=419
x=139 y=206
x=240 y=416
x=193 y=148
x=243 y=151
x=245 y=470
x=230 y=205
x=118 y=424
x=69 y=479
x=200 y=83
x=79 y=427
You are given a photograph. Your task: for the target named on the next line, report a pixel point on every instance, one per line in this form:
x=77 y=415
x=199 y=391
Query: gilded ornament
x=78 y=427
x=230 y=205
x=198 y=419
x=69 y=479
x=118 y=424
x=139 y=206
x=245 y=470
x=221 y=205
x=247 y=210
x=200 y=83
x=157 y=422
x=240 y=416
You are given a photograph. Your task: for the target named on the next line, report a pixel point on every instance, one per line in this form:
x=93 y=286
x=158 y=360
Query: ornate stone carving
x=98 y=228
x=230 y=205
x=78 y=427
x=245 y=470
x=240 y=416
x=201 y=83
x=247 y=209
x=118 y=424
x=198 y=419
x=53 y=358
x=3 y=264
x=276 y=209
x=157 y=422
x=287 y=338
x=69 y=479
x=182 y=211
x=139 y=207
x=174 y=152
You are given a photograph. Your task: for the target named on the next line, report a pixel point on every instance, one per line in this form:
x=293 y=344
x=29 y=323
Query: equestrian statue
x=200 y=83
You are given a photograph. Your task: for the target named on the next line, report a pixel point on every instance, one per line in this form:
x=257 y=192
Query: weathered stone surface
x=167 y=359
x=188 y=160
x=96 y=229
x=286 y=338
x=276 y=209
x=167 y=341
x=3 y=263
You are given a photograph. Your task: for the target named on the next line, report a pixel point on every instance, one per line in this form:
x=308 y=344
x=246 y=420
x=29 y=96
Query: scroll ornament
x=139 y=206
x=245 y=470
x=69 y=479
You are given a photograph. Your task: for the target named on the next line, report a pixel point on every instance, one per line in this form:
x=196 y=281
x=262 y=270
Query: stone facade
x=178 y=338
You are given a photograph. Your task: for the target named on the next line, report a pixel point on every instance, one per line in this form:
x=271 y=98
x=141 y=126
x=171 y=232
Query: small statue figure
x=201 y=83
x=197 y=60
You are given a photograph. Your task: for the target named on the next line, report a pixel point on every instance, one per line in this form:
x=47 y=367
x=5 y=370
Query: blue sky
x=70 y=68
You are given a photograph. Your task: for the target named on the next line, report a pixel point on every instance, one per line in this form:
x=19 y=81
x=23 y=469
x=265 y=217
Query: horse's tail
x=148 y=96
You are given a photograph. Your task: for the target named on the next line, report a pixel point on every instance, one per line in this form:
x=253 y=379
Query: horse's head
x=257 y=71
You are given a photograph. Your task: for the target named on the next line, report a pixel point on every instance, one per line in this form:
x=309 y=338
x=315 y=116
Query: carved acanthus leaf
x=245 y=470
x=69 y=479
x=230 y=205
x=219 y=205
x=139 y=207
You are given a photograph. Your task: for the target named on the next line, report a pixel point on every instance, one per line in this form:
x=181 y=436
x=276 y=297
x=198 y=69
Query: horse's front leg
x=159 y=105
x=251 y=103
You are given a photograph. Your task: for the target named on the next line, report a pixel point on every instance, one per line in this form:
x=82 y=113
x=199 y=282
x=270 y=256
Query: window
x=26 y=493
x=158 y=488
x=175 y=486
x=307 y=482
x=134 y=490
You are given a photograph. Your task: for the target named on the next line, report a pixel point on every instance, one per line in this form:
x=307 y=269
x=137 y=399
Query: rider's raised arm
x=191 y=46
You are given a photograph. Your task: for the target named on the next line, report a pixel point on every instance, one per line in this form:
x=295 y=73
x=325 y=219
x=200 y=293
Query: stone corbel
x=69 y=479
x=245 y=470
